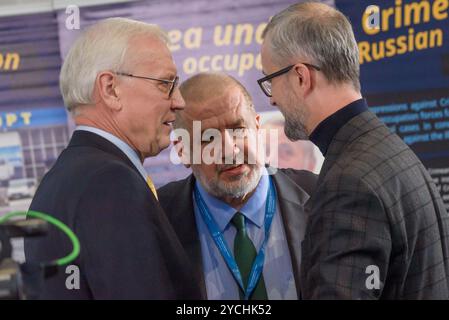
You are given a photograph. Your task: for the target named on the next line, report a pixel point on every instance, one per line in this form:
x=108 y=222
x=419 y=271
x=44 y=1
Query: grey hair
x=319 y=34
x=101 y=47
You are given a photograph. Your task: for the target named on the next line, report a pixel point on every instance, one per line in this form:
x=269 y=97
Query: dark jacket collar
x=89 y=139
x=176 y=200
x=358 y=126
x=326 y=130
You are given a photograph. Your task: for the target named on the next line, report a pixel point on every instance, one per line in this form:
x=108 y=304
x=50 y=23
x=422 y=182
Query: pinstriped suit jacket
x=375 y=205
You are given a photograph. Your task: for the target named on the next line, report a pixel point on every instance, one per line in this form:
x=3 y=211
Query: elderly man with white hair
x=119 y=83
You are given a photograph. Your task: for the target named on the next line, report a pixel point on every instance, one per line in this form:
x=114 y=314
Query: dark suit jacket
x=128 y=247
x=293 y=188
x=375 y=205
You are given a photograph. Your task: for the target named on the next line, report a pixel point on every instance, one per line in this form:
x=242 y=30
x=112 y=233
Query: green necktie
x=245 y=254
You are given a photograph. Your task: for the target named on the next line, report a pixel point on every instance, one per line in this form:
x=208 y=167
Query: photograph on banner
x=33 y=119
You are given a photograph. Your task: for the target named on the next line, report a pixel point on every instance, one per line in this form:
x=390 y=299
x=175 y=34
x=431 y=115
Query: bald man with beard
x=241 y=206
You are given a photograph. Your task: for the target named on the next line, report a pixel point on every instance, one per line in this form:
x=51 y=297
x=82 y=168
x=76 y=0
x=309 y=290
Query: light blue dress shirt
x=277 y=271
x=124 y=147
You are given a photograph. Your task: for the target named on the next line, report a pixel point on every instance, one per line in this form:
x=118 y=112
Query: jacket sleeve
x=347 y=245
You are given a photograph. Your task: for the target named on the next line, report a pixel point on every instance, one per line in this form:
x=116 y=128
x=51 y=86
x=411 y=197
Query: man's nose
x=272 y=102
x=178 y=102
x=230 y=148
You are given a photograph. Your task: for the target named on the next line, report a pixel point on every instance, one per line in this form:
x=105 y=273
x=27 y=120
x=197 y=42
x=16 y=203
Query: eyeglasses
x=173 y=83
x=265 y=82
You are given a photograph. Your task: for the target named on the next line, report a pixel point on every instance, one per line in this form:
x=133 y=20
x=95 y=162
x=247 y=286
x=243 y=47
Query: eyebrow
x=170 y=75
x=238 y=122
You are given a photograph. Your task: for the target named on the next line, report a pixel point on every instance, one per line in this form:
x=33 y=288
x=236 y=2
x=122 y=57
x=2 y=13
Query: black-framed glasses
x=265 y=82
x=173 y=83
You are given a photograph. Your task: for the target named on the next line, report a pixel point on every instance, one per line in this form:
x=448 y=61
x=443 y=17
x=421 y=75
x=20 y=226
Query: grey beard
x=294 y=129
x=220 y=189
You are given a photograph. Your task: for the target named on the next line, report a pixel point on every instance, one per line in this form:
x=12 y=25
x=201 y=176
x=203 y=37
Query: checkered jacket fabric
x=377 y=226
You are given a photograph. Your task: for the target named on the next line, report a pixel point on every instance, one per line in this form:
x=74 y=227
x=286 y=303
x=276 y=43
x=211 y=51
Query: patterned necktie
x=152 y=187
x=245 y=253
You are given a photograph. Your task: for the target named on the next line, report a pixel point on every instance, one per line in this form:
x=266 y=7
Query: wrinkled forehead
x=220 y=112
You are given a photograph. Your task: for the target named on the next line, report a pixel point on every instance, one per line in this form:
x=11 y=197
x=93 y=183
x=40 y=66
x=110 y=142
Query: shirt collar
x=326 y=130
x=253 y=209
x=124 y=147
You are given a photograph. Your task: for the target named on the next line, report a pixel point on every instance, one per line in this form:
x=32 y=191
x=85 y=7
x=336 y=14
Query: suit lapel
x=82 y=138
x=292 y=199
x=183 y=221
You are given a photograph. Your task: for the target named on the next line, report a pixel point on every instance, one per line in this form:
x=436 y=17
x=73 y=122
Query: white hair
x=101 y=47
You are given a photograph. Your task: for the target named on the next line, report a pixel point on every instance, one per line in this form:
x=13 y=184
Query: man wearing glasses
x=119 y=83
x=378 y=228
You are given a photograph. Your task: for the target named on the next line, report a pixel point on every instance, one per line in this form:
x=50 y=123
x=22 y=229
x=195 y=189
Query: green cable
x=57 y=223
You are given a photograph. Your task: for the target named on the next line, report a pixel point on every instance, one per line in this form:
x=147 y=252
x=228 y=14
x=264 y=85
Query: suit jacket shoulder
x=307 y=180
x=375 y=205
x=293 y=190
x=128 y=247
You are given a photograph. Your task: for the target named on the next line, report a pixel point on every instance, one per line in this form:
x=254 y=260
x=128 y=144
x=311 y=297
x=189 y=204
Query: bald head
x=219 y=118
x=204 y=87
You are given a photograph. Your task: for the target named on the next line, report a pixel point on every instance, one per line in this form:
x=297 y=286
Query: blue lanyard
x=219 y=240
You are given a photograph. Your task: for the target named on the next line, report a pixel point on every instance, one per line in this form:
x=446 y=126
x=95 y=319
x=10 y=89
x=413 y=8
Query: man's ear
x=303 y=77
x=257 y=121
x=107 y=89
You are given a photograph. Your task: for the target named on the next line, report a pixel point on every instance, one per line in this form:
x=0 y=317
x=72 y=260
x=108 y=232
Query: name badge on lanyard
x=217 y=235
